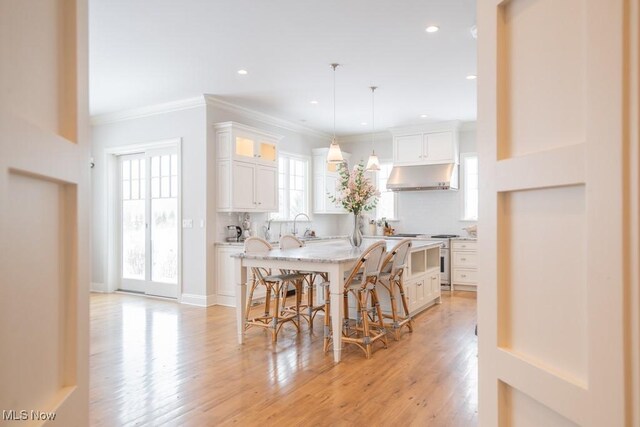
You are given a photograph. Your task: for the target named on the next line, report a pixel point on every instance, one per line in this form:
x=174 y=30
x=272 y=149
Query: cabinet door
x=439 y=147
x=266 y=188
x=243 y=190
x=422 y=293
x=331 y=181
x=319 y=196
x=266 y=152
x=225 y=271
x=434 y=288
x=244 y=147
x=408 y=149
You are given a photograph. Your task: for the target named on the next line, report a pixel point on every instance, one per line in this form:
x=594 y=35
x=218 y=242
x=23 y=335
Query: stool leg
x=405 y=305
x=362 y=298
x=378 y=309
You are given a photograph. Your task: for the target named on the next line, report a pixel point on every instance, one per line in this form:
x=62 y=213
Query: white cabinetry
x=421 y=281
x=325 y=180
x=464 y=263
x=247 y=168
x=225 y=276
x=433 y=144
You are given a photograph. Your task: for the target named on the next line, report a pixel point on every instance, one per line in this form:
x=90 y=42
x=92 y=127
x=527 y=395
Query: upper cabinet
x=325 y=180
x=425 y=145
x=247 y=160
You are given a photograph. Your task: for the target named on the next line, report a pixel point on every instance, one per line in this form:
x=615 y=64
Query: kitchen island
x=422 y=279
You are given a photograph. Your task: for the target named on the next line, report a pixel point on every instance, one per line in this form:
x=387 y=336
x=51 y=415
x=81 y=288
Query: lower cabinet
x=225 y=276
x=464 y=264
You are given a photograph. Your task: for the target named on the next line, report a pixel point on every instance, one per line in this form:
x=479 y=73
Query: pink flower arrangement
x=355 y=192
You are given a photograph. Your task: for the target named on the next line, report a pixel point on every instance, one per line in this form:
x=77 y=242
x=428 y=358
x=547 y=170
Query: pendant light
x=334 y=155
x=373 y=164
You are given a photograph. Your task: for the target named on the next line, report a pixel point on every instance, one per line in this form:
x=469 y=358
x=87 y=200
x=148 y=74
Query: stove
x=444 y=236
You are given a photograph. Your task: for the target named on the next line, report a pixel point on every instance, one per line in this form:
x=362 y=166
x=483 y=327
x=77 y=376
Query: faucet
x=295 y=230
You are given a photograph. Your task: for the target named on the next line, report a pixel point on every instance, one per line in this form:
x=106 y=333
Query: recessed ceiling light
x=243 y=72
x=432 y=29
x=363 y=123
x=423 y=116
x=472 y=77
x=314 y=102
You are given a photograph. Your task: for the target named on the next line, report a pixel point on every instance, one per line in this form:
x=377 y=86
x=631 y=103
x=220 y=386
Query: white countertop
x=275 y=243
x=467 y=238
x=334 y=253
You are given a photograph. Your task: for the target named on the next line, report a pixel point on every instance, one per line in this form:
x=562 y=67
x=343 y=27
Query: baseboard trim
x=98 y=287
x=198 y=300
x=226 y=300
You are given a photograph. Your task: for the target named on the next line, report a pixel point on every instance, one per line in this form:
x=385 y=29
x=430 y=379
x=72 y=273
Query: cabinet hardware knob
x=463 y=259
x=463 y=275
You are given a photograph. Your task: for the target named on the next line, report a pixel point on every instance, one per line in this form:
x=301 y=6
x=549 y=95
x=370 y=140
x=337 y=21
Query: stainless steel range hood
x=423 y=177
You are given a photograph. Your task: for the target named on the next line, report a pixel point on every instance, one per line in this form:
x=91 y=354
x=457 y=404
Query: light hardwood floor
x=156 y=362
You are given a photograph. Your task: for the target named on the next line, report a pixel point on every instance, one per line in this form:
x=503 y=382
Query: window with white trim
x=387 y=207
x=469 y=163
x=293 y=186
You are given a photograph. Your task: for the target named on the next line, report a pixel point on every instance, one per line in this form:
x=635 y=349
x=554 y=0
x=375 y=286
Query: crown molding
x=248 y=113
x=150 y=110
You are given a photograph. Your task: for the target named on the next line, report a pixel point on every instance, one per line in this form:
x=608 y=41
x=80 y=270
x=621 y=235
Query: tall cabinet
x=325 y=181
x=247 y=168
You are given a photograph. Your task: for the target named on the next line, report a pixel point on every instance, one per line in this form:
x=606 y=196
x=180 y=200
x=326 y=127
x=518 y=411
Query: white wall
x=190 y=126
x=429 y=212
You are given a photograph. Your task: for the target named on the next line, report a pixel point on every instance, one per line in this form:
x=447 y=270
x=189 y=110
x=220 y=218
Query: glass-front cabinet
x=254 y=148
x=247 y=160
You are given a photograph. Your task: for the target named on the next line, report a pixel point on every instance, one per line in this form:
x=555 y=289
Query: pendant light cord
x=373 y=118
x=334 y=100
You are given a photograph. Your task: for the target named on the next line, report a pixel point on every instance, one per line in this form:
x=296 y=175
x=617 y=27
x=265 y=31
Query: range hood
x=423 y=177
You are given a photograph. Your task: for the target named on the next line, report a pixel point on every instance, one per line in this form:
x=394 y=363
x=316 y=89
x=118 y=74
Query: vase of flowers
x=357 y=194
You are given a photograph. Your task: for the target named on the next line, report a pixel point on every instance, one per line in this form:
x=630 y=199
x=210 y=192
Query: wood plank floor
x=156 y=362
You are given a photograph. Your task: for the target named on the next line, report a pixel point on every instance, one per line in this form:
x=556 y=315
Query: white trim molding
x=98 y=287
x=150 y=110
x=198 y=300
x=248 y=113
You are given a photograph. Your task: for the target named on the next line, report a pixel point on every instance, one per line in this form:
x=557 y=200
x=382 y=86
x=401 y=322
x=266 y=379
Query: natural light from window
x=293 y=187
x=387 y=203
x=470 y=186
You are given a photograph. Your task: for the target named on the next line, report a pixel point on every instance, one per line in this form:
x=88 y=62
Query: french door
x=149 y=254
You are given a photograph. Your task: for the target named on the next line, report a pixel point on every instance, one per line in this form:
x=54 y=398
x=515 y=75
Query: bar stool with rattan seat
x=392 y=279
x=309 y=310
x=276 y=287
x=361 y=283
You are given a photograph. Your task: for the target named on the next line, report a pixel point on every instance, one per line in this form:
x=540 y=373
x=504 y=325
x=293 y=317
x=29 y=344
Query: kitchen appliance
x=246 y=226
x=423 y=177
x=233 y=233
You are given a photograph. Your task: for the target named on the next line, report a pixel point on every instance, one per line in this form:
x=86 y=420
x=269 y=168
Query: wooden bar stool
x=276 y=288
x=392 y=279
x=309 y=310
x=361 y=283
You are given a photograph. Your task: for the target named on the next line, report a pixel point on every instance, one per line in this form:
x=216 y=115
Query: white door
x=44 y=213
x=555 y=321
x=149 y=222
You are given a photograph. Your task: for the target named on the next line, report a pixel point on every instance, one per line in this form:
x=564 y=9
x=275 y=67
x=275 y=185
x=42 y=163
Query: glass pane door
x=132 y=169
x=149 y=222
x=164 y=218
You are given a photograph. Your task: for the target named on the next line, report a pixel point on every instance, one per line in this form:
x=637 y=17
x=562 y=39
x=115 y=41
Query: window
x=469 y=186
x=293 y=187
x=386 y=207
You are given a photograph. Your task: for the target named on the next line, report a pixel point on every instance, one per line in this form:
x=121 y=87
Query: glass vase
x=356 y=236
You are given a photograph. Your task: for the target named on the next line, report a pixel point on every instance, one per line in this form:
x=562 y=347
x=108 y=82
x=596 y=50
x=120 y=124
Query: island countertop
x=330 y=253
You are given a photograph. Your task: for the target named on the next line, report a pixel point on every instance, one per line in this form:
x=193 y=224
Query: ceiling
x=145 y=52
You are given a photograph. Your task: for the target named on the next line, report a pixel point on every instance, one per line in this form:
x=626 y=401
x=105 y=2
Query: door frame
x=111 y=188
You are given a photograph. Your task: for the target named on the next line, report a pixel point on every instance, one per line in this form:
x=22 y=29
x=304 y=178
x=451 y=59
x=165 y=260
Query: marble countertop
x=473 y=239
x=275 y=242
x=334 y=253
